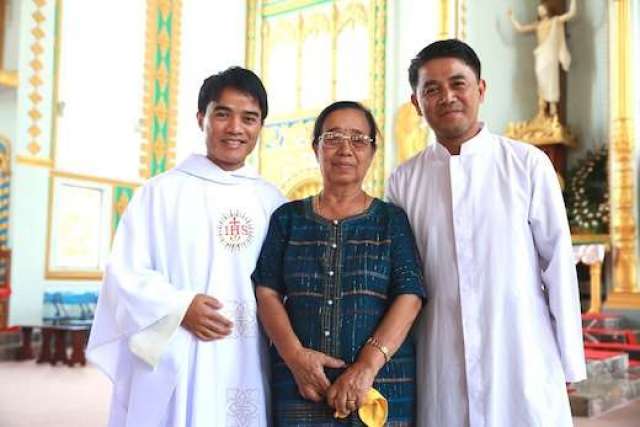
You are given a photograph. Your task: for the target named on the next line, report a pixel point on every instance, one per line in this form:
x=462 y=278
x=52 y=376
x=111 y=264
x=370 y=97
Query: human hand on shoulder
x=203 y=319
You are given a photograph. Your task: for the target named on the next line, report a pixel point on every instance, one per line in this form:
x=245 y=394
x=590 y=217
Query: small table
x=56 y=334
x=590 y=249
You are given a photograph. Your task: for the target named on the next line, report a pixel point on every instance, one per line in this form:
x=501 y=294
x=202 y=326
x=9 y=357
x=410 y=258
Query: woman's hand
x=348 y=392
x=307 y=367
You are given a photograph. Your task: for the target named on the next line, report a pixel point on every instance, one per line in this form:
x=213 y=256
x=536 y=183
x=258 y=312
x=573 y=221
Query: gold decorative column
x=161 y=75
x=625 y=292
x=453 y=19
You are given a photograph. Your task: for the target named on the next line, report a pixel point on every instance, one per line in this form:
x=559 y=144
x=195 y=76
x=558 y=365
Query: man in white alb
x=176 y=327
x=501 y=332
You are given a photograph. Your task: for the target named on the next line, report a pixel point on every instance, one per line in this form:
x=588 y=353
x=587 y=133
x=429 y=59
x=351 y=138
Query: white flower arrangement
x=587 y=193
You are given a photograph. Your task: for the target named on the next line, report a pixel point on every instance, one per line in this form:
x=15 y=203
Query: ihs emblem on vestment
x=235 y=230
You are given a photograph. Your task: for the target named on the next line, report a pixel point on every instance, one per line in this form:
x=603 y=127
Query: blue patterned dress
x=338 y=279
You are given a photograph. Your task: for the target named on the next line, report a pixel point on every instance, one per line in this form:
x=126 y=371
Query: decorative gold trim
x=300 y=26
x=146 y=151
x=461 y=21
x=5 y=188
x=334 y=54
x=34 y=161
x=250 y=31
x=595 y=269
x=160 y=81
x=73 y=275
x=376 y=21
x=5 y=159
x=584 y=239
x=3 y=29
x=47 y=249
x=623 y=300
x=174 y=82
x=378 y=27
x=36 y=80
x=280 y=7
x=305 y=177
x=57 y=43
x=92 y=178
x=9 y=78
x=541 y=130
x=625 y=293
x=410 y=132
x=443 y=27
x=595 y=274
x=453 y=19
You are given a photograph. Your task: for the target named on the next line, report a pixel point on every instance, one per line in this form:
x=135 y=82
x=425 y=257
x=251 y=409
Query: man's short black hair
x=450 y=48
x=241 y=79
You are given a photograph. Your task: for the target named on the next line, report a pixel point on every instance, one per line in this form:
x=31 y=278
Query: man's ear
x=414 y=101
x=482 y=86
x=200 y=118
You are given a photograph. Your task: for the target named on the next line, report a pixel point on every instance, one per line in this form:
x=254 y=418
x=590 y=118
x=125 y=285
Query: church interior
x=98 y=97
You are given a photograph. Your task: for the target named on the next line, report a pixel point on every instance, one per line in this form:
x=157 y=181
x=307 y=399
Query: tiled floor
x=34 y=395
x=626 y=416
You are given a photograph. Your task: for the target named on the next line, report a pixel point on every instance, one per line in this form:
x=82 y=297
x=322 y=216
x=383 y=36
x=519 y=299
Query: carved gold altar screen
x=310 y=53
x=622 y=151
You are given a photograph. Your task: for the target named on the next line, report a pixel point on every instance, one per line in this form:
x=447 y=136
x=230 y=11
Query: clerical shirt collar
x=477 y=144
x=200 y=166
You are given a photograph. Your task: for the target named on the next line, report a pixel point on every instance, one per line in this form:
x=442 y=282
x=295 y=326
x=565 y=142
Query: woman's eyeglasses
x=357 y=141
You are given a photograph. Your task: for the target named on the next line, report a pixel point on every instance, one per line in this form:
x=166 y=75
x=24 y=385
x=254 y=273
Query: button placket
x=329 y=315
x=334 y=295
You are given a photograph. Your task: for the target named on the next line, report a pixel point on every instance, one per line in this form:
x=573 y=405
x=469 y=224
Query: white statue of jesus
x=550 y=53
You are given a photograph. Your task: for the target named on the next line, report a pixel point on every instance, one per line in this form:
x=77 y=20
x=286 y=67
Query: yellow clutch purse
x=373 y=411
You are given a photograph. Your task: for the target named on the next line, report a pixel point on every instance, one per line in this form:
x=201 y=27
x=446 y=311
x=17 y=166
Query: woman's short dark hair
x=451 y=48
x=241 y=79
x=345 y=105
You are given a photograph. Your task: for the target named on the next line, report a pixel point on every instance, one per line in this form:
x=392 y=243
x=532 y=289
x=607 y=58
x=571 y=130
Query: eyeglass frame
x=341 y=136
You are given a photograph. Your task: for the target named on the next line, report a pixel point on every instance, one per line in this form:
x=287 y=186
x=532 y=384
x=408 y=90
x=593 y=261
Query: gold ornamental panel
x=311 y=53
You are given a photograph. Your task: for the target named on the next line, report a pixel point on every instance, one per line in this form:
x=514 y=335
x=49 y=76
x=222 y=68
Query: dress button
x=327 y=333
x=330 y=302
x=331 y=273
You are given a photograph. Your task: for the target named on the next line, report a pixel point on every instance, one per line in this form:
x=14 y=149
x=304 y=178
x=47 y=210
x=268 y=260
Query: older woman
x=338 y=285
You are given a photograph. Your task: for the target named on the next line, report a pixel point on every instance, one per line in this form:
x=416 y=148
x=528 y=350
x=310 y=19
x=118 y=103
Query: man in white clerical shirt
x=176 y=327
x=501 y=332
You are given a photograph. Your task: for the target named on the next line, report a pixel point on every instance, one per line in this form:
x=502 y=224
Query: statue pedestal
x=547 y=133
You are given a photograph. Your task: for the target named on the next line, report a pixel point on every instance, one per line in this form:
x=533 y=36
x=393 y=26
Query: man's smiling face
x=448 y=96
x=231 y=126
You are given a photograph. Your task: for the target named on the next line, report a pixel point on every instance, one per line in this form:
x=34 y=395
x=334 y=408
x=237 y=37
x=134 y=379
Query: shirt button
x=327 y=333
x=331 y=273
x=330 y=302
x=335 y=222
x=333 y=245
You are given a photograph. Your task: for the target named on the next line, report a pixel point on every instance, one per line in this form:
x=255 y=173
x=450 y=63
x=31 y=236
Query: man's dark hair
x=450 y=48
x=238 y=78
x=344 y=105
